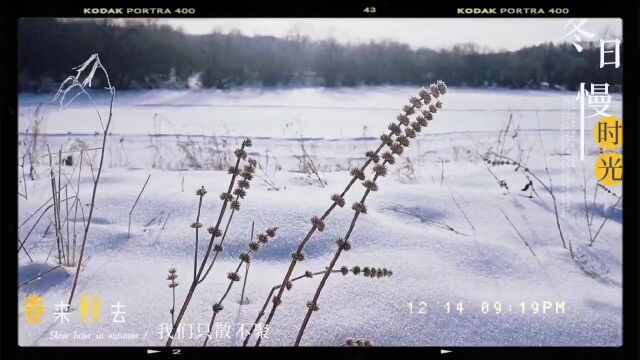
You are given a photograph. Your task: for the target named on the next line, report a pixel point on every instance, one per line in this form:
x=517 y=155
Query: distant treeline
x=148 y=55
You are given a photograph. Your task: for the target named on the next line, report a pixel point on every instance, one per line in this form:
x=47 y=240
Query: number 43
x=370 y=10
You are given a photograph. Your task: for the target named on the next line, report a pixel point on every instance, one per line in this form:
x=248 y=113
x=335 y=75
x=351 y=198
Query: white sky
x=510 y=34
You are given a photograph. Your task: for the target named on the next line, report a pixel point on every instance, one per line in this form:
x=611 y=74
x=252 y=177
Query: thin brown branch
x=214 y=234
x=134 y=205
x=386 y=138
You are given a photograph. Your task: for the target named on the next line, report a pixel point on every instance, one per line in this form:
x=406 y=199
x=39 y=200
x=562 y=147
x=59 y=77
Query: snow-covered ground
x=438 y=220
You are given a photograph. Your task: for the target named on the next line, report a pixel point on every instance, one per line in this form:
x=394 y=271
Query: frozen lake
x=301 y=112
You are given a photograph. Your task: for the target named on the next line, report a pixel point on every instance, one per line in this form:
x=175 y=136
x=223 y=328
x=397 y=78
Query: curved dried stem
x=307 y=274
x=234 y=277
x=548 y=188
x=97 y=64
x=196 y=280
x=409 y=109
x=323 y=282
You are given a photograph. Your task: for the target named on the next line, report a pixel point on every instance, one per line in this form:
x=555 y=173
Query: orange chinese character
x=90 y=309
x=34 y=309
x=608 y=169
x=608 y=133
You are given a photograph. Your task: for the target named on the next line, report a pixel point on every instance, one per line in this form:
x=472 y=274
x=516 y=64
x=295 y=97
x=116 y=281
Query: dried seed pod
x=373 y=156
x=254 y=246
x=252 y=162
x=318 y=223
x=349 y=342
x=233 y=276
x=247 y=142
x=359 y=207
x=263 y=238
x=380 y=170
x=201 y=191
x=308 y=274
x=403 y=140
x=434 y=91
x=424 y=94
x=245 y=257
x=371 y=185
x=339 y=200
x=248 y=168
x=217 y=308
x=442 y=87
x=402 y=119
x=243 y=183
x=226 y=197
x=395 y=129
x=356 y=270
x=397 y=148
x=421 y=120
x=271 y=232
x=433 y=109
x=288 y=285
x=344 y=270
x=416 y=126
x=428 y=115
x=246 y=175
x=386 y=139
x=408 y=109
x=240 y=193
x=235 y=205
x=357 y=173
x=388 y=157
x=297 y=256
x=439 y=105
x=196 y=225
x=410 y=133
x=276 y=300
x=214 y=231
x=313 y=306
x=416 y=102
x=218 y=248
x=233 y=171
x=240 y=153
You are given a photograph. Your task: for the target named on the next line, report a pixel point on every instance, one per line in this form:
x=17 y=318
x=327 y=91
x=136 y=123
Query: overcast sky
x=510 y=34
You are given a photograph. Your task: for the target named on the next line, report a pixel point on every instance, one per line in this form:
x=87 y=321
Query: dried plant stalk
x=359 y=208
x=242 y=184
x=356 y=270
x=134 y=205
x=197 y=225
x=395 y=148
x=75 y=82
x=173 y=285
x=549 y=188
x=358 y=343
x=228 y=200
x=246 y=271
x=245 y=257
